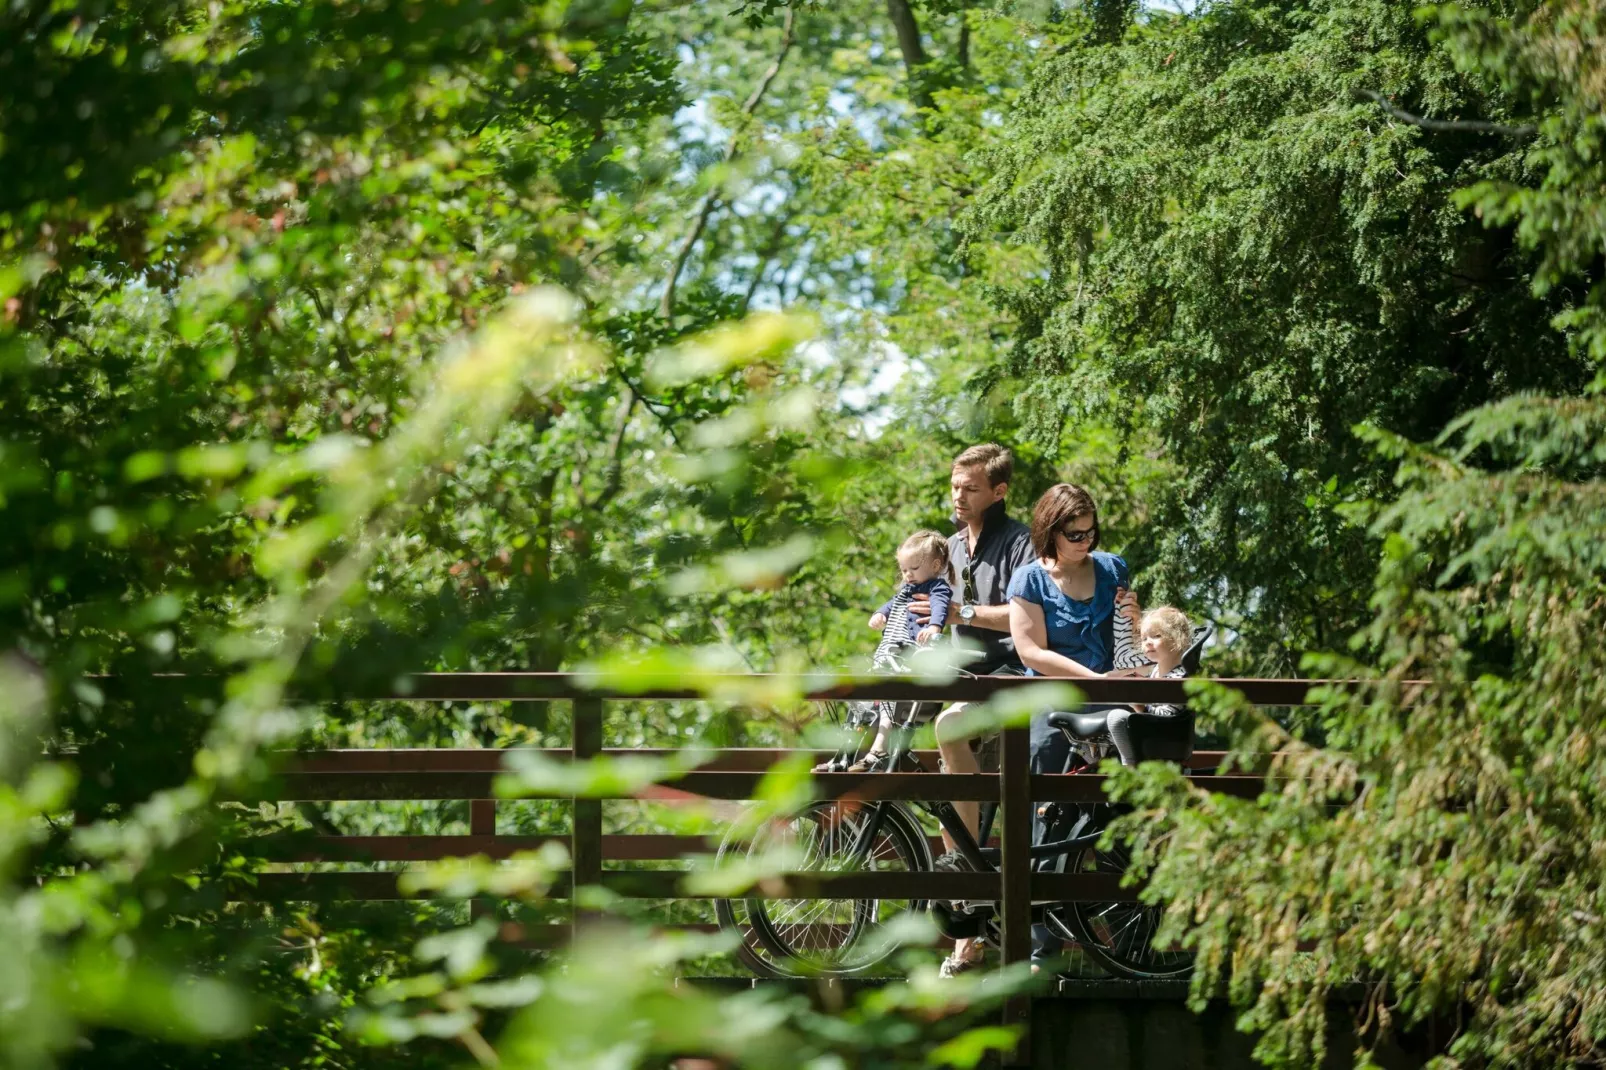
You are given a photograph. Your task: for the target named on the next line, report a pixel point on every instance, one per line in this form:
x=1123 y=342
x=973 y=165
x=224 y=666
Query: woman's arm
x=1031 y=643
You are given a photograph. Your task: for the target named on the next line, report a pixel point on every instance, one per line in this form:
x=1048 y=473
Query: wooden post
x=1015 y=802
x=481 y=822
x=586 y=840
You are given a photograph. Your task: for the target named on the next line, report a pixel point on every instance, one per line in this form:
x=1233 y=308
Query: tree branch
x=766 y=253
x=328 y=317
x=666 y=304
x=652 y=405
x=613 y=478
x=1446 y=126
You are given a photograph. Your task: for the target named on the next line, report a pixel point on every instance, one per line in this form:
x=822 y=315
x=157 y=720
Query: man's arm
x=996 y=618
x=993 y=618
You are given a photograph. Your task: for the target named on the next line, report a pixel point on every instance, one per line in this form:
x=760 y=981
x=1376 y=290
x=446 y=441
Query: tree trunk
x=914 y=55
x=1111 y=18
x=962 y=52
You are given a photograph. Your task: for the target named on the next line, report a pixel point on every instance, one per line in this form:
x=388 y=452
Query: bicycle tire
x=750 y=952
x=829 y=937
x=1118 y=937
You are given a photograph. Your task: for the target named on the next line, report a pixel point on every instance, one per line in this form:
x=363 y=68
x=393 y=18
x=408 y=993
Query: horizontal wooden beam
x=852 y=787
x=489 y=760
x=667 y=884
x=306 y=848
x=643 y=847
x=735 y=688
x=547 y=937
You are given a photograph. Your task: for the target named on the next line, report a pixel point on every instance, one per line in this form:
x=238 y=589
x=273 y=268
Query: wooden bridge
x=469 y=774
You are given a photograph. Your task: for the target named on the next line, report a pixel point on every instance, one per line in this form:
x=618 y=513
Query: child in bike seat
x=923 y=564
x=1165 y=634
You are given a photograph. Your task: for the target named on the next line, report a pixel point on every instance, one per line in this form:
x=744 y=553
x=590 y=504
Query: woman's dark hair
x=1059 y=505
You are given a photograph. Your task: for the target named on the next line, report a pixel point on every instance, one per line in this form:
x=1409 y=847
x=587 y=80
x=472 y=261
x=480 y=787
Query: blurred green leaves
x=531 y=774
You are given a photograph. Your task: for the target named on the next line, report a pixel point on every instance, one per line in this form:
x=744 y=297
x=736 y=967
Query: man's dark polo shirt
x=1003 y=546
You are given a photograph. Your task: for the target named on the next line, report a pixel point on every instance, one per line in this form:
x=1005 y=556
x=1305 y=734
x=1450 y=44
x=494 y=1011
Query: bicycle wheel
x=751 y=952
x=1118 y=936
x=831 y=937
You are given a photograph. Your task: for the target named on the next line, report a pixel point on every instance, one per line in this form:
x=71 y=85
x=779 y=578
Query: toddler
x=1165 y=635
x=923 y=564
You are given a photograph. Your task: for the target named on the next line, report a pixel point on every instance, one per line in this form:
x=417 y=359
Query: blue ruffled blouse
x=1082 y=631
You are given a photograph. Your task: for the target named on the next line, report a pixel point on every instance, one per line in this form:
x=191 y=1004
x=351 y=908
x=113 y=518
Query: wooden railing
x=729 y=775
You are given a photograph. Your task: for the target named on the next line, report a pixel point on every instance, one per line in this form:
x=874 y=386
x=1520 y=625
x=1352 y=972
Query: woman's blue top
x=1082 y=631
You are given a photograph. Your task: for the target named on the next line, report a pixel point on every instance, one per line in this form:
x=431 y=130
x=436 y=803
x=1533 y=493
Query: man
x=983 y=554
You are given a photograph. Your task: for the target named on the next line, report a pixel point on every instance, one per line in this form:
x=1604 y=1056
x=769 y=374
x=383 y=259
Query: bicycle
x=824 y=937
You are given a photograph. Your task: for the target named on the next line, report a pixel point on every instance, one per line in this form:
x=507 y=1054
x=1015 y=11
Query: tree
x=1247 y=257
x=1442 y=846
x=287 y=397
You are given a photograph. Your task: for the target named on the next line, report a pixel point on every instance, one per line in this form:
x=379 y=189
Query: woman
x=1064 y=609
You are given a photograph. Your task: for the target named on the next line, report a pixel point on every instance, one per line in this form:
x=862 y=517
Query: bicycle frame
x=969 y=846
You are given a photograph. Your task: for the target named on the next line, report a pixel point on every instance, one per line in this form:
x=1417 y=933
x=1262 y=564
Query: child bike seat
x=1080 y=725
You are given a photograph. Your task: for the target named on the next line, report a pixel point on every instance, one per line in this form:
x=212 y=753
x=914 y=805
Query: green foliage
x=344 y=339
x=612 y=1001
x=290 y=396
x=1443 y=846
x=1247 y=257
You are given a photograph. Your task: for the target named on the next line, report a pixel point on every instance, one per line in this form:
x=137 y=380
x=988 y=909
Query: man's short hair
x=998 y=462
x=1171 y=625
x=930 y=545
x=1059 y=505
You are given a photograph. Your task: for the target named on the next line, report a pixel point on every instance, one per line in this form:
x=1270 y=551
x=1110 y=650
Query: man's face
x=972 y=494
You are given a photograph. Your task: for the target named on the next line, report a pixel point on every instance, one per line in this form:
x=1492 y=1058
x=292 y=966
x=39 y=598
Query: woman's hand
x=1126 y=603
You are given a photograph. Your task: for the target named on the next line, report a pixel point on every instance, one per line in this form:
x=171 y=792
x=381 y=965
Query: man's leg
x=1050 y=750
x=957 y=757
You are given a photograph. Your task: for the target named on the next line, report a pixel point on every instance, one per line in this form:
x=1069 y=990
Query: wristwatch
x=967 y=613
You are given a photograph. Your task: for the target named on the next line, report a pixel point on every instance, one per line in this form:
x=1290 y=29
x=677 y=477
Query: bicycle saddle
x=1080 y=725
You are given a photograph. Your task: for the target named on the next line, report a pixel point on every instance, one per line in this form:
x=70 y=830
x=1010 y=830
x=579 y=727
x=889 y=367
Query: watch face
x=967 y=612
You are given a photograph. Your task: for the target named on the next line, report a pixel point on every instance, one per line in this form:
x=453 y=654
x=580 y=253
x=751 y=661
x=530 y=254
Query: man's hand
x=920 y=608
x=927 y=634
x=878 y=621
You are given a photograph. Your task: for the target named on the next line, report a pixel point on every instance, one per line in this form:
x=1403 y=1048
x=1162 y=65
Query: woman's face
x=1074 y=540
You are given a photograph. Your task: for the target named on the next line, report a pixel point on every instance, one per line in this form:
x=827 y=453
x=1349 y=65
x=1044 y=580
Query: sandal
x=956 y=964
x=872 y=762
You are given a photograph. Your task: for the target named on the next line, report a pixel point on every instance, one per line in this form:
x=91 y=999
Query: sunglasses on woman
x=1074 y=535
